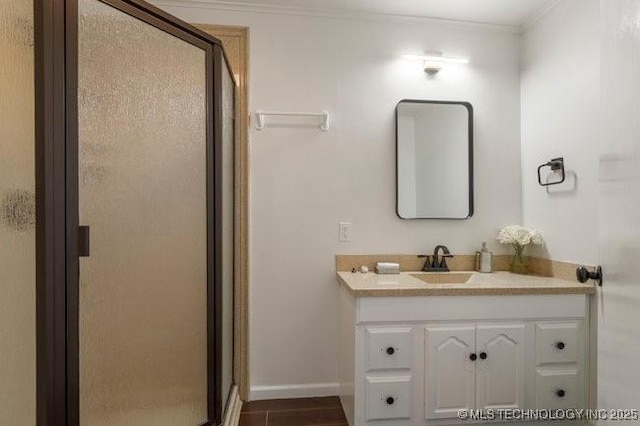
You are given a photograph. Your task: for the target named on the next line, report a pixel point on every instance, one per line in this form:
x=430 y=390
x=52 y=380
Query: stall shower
x=143 y=184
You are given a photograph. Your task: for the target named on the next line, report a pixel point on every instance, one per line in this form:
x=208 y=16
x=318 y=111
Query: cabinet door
x=500 y=371
x=450 y=372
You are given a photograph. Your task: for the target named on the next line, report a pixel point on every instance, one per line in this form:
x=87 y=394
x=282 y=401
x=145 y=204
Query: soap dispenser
x=484 y=259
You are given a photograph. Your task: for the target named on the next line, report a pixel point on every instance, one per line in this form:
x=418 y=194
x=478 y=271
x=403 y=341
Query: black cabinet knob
x=390 y=350
x=390 y=400
x=473 y=357
x=560 y=345
x=560 y=393
x=483 y=355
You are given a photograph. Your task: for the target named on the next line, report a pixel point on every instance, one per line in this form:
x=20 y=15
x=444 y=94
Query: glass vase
x=519 y=261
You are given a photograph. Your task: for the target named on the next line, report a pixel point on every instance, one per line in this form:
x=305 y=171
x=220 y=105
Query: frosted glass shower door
x=143 y=192
x=17 y=216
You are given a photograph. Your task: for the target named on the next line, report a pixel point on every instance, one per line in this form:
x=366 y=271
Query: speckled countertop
x=494 y=284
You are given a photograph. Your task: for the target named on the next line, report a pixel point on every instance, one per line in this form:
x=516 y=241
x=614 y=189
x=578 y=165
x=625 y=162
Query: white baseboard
x=234 y=406
x=294 y=391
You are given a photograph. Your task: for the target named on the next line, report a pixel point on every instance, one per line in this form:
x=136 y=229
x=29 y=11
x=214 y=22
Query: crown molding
x=539 y=15
x=346 y=14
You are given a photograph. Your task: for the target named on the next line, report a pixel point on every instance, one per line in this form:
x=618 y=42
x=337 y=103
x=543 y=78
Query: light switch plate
x=345 y=232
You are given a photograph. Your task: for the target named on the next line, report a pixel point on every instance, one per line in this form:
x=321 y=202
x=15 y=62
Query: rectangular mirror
x=434 y=149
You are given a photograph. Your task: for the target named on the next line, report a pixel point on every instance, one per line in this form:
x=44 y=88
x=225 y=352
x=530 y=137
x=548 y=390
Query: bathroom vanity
x=418 y=347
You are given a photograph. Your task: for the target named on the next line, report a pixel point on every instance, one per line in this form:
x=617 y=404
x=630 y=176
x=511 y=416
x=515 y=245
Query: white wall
x=561 y=117
x=304 y=181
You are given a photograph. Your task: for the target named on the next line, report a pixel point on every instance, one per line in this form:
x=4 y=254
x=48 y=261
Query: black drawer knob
x=390 y=400
x=483 y=355
x=390 y=350
x=560 y=393
x=560 y=345
x=473 y=357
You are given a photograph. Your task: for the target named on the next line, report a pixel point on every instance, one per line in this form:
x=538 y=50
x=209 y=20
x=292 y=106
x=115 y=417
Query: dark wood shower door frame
x=57 y=265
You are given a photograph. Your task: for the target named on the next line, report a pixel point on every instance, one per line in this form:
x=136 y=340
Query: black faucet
x=435 y=265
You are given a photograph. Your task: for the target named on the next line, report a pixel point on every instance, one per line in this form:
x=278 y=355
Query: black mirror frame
x=469 y=108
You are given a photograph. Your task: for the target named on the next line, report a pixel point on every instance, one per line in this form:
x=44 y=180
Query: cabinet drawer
x=557 y=389
x=557 y=342
x=388 y=397
x=388 y=348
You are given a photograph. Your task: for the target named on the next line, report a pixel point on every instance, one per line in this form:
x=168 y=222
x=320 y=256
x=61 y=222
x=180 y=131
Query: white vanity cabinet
x=419 y=360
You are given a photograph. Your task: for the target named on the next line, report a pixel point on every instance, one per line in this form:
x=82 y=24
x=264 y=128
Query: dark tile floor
x=325 y=411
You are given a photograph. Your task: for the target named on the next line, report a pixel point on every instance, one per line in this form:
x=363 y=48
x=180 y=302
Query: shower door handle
x=84 y=241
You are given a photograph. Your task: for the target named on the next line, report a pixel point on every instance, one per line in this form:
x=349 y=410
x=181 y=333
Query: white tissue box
x=387 y=268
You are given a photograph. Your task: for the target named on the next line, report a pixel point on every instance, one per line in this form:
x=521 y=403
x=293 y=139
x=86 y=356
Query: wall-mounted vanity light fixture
x=434 y=61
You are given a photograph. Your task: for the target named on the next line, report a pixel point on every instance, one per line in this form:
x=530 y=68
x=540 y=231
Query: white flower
x=516 y=234
x=536 y=237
